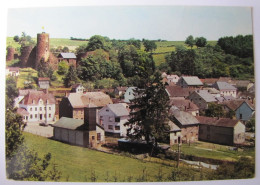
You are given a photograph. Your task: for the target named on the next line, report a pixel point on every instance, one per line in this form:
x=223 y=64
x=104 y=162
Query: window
x=98 y=136
x=110 y=119
x=31 y=116
x=44 y=108
x=35 y=108
x=31 y=109
x=93 y=137
x=40 y=108
x=117 y=127
x=117 y=119
x=49 y=108
x=240 y=116
x=35 y=115
x=107 y=110
x=49 y=115
x=110 y=127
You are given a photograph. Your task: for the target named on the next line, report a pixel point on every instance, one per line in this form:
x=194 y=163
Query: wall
x=10 y=54
x=65 y=108
x=239 y=133
x=190 y=133
x=246 y=112
x=195 y=98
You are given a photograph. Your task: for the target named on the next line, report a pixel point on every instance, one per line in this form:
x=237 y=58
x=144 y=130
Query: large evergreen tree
x=148 y=117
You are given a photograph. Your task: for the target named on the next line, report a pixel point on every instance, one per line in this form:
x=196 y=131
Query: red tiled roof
x=177 y=91
x=43 y=79
x=221 y=122
x=33 y=97
x=183 y=104
x=23 y=112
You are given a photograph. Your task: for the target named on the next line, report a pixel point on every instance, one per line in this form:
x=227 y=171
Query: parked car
x=43 y=124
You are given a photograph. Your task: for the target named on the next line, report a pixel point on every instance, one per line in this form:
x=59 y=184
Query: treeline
x=80 y=39
x=231 y=57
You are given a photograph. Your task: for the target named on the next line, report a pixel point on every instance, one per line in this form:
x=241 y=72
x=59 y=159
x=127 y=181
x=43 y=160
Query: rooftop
x=68 y=55
x=220 y=122
x=192 y=80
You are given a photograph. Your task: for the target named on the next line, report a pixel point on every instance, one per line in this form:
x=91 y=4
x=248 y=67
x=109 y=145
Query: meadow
x=79 y=164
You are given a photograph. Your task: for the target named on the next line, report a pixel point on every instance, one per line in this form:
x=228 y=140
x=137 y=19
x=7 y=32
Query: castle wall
x=10 y=54
x=25 y=53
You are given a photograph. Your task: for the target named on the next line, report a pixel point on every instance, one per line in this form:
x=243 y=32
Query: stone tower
x=42 y=48
x=10 y=54
x=25 y=53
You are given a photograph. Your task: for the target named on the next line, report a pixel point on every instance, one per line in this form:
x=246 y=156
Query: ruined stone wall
x=25 y=53
x=10 y=54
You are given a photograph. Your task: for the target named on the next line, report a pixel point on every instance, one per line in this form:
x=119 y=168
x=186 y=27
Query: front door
x=40 y=116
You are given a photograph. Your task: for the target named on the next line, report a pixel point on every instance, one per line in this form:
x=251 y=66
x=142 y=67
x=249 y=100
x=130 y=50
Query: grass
x=27 y=74
x=215 y=151
x=77 y=162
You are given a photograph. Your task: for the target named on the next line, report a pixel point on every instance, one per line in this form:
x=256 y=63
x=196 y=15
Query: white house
x=113 y=117
x=77 y=88
x=226 y=89
x=39 y=105
x=172 y=79
x=129 y=94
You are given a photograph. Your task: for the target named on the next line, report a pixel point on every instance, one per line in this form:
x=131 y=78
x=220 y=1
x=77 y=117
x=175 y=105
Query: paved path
x=36 y=129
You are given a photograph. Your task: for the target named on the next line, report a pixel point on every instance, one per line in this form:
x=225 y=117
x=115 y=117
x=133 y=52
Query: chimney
x=90 y=117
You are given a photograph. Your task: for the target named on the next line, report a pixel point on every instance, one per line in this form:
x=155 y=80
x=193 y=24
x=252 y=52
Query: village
x=86 y=118
x=210 y=112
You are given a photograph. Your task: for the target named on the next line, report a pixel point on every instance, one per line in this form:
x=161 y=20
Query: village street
x=36 y=129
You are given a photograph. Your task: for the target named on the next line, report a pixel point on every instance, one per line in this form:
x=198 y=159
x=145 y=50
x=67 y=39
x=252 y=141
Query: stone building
x=221 y=130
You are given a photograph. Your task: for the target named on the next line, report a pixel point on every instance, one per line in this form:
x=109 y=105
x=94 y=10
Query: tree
x=190 y=41
x=98 y=42
x=149 y=110
x=134 y=42
x=201 y=42
x=149 y=45
x=214 y=110
x=11 y=92
x=63 y=68
x=65 y=49
x=16 y=38
x=71 y=77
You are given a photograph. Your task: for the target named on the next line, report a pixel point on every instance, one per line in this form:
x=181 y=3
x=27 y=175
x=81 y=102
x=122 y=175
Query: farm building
x=185 y=105
x=175 y=133
x=44 y=82
x=120 y=90
x=188 y=124
x=86 y=133
x=189 y=82
x=70 y=58
x=201 y=98
x=221 y=130
x=226 y=89
x=177 y=91
x=73 y=105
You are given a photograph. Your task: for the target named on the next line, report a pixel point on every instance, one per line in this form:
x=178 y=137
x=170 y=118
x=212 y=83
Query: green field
x=215 y=151
x=77 y=163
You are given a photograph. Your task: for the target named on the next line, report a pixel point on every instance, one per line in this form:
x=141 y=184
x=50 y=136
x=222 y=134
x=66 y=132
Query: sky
x=125 y=22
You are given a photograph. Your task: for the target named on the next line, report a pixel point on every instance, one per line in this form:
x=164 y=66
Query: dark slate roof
x=184 y=118
x=118 y=109
x=192 y=80
x=224 y=86
x=68 y=55
x=69 y=123
x=220 y=122
x=173 y=127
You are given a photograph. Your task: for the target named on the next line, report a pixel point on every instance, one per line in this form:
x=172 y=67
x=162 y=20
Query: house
x=188 y=124
x=73 y=105
x=70 y=58
x=77 y=88
x=39 y=105
x=209 y=81
x=86 y=133
x=213 y=91
x=221 y=130
x=251 y=88
x=175 y=133
x=172 y=79
x=226 y=89
x=24 y=113
x=189 y=82
x=243 y=109
x=222 y=99
x=113 y=117
x=44 y=82
x=241 y=84
x=177 y=92
x=120 y=90
x=12 y=71
x=129 y=94
x=201 y=98
x=185 y=105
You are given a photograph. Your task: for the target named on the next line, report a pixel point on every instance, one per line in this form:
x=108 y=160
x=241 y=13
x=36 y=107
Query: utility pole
x=179 y=152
